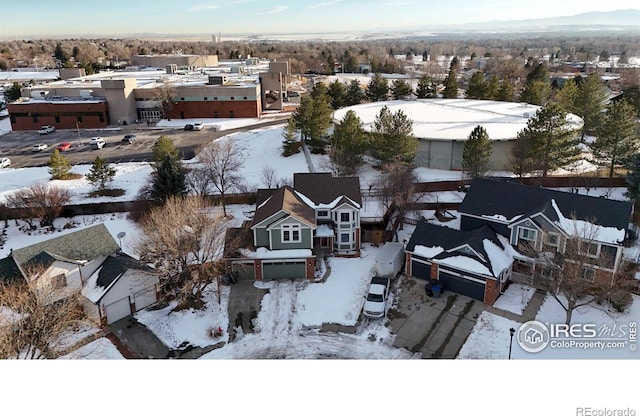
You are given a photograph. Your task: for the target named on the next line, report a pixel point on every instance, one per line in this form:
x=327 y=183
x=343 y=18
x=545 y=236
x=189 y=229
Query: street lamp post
x=511 y=332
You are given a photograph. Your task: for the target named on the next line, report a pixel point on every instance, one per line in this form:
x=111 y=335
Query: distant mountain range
x=619 y=20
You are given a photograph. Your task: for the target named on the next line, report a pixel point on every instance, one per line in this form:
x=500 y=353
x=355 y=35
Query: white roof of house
x=454 y=119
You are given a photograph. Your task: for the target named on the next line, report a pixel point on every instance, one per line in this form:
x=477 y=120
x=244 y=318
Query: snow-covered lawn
x=515 y=298
x=490 y=337
x=100 y=349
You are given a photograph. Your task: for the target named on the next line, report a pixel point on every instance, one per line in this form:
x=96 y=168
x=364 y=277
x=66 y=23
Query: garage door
x=118 y=310
x=420 y=270
x=284 y=270
x=243 y=271
x=466 y=287
x=144 y=298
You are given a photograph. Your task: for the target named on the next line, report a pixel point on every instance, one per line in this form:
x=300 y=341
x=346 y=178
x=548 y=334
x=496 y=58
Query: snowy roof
x=287 y=200
x=324 y=230
x=511 y=200
x=586 y=229
x=99 y=283
x=453 y=119
x=480 y=251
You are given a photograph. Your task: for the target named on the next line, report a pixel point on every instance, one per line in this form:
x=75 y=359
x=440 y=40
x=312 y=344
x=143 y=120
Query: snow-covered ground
x=287 y=324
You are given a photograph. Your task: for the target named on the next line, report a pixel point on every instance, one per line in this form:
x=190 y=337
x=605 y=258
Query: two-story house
x=318 y=216
x=538 y=220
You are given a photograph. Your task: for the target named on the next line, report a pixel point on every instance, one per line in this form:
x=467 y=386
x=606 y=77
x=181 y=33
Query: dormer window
x=527 y=234
x=323 y=214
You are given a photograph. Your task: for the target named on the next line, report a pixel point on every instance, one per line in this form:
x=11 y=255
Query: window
x=59 y=281
x=206 y=98
x=553 y=239
x=323 y=213
x=527 y=234
x=344 y=217
x=79 y=119
x=589 y=249
x=344 y=238
x=291 y=233
x=588 y=273
x=57 y=119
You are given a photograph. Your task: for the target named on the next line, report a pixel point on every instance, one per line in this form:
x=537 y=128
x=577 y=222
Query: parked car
x=188 y=126
x=64 y=146
x=375 y=305
x=46 y=129
x=39 y=147
x=129 y=138
x=5 y=162
x=198 y=126
x=97 y=143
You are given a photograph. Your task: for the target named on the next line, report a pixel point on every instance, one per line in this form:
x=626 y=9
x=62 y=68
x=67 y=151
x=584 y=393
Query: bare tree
x=222 y=161
x=165 y=93
x=397 y=190
x=576 y=272
x=180 y=237
x=269 y=178
x=31 y=325
x=40 y=201
x=198 y=181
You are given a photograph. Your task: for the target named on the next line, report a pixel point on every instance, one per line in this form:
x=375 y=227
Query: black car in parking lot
x=188 y=126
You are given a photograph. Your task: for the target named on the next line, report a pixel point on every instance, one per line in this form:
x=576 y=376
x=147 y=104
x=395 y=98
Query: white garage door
x=144 y=298
x=118 y=310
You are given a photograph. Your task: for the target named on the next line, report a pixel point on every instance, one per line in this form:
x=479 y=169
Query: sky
x=112 y=17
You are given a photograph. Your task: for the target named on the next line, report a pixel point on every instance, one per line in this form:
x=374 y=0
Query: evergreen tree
x=450 y=85
x=348 y=144
x=355 y=94
x=455 y=64
x=101 y=173
x=392 y=139
x=320 y=90
x=59 y=165
x=377 y=89
x=14 y=92
x=400 y=89
x=477 y=87
x=537 y=88
x=290 y=144
x=476 y=152
x=632 y=96
x=163 y=147
x=313 y=119
x=590 y=102
x=338 y=94
x=550 y=143
x=168 y=180
x=566 y=97
x=60 y=54
x=493 y=86
x=633 y=177
x=423 y=89
x=506 y=91
x=617 y=135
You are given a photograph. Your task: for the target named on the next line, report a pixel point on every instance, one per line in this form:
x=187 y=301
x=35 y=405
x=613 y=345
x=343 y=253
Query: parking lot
x=17 y=145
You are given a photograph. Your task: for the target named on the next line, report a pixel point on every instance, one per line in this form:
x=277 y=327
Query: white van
x=97 y=143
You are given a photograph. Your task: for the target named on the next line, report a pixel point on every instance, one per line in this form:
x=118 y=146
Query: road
x=17 y=145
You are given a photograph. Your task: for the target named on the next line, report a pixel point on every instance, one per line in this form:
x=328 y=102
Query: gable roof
x=99 y=283
x=8 y=269
x=82 y=245
x=285 y=199
x=322 y=188
x=434 y=241
x=512 y=200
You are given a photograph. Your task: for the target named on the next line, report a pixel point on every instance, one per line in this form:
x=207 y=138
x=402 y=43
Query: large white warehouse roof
x=454 y=119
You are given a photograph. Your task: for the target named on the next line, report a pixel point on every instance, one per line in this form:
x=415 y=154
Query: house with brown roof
x=318 y=216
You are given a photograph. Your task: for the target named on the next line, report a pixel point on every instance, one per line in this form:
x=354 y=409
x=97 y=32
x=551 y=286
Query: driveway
x=434 y=327
x=138 y=339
